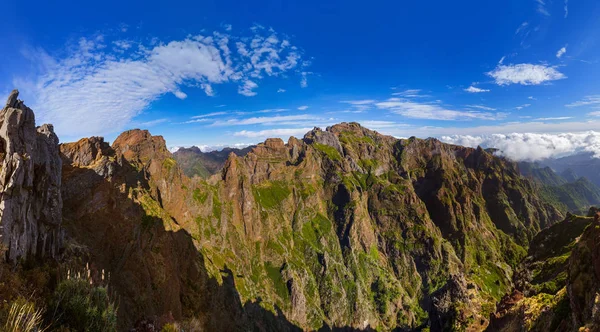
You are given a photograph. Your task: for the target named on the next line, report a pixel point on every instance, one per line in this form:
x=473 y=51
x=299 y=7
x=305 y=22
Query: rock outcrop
x=30 y=181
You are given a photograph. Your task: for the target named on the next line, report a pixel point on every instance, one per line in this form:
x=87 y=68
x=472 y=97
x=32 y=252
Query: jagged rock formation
x=30 y=181
x=345 y=228
x=353 y=228
x=558 y=285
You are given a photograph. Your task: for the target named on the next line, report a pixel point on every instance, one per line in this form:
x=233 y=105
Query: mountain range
x=345 y=229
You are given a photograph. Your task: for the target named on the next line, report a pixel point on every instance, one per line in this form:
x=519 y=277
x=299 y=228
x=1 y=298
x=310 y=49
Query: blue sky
x=216 y=73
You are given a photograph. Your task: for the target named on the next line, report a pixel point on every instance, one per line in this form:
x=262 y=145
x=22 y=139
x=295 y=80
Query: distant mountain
x=194 y=162
x=565 y=190
x=578 y=165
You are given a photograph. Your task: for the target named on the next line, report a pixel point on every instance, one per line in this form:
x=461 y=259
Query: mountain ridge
x=344 y=228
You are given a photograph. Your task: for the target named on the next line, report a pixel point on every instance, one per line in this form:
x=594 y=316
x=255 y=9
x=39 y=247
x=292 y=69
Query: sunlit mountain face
x=307 y=166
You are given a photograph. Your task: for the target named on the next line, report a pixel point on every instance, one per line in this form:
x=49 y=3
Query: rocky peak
x=139 y=145
x=326 y=137
x=30 y=179
x=85 y=151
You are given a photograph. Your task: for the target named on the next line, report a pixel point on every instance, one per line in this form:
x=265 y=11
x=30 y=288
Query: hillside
x=194 y=162
x=345 y=228
x=565 y=191
x=556 y=285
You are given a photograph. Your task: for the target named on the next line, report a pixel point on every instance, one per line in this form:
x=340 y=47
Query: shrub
x=23 y=317
x=83 y=307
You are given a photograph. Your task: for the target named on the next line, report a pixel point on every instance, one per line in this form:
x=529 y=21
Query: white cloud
x=302 y=108
x=554 y=118
x=533 y=146
x=524 y=74
x=593 y=100
x=501 y=60
x=520 y=28
x=208 y=115
x=379 y=124
x=266 y=120
x=359 y=102
x=151 y=123
x=247 y=88
x=433 y=111
x=561 y=52
x=228 y=27
x=566 y=8
x=280 y=90
x=596 y=113
x=304 y=80
x=272 y=110
x=541 y=7
x=410 y=93
x=481 y=107
x=472 y=89
x=522 y=106
x=283 y=133
x=531 y=98
x=93 y=91
x=179 y=94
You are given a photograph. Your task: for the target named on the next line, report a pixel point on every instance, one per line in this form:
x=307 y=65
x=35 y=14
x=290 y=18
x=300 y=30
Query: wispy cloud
x=151 y=123
x=566 y=8
x=278 y=132
x=593 y=101
x=380 y=124
x=280 y=90
x=433 y=111
x=208 y=115
x=410 y=93
x=525 y=74
x=554 y=118
x=522 y=106
x=266 y=120
x=93 y=91
x=519 y=29
x=303 y=107
x=561 y=52
x=541 y=7
x=247 y=89
x=472 y=89
x=359 y=102
x=481 y=107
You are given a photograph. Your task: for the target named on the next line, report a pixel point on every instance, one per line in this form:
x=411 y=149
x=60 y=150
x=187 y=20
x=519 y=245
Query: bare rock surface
x=30 y=179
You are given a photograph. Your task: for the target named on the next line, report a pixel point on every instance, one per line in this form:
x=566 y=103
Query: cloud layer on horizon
x=533 y=146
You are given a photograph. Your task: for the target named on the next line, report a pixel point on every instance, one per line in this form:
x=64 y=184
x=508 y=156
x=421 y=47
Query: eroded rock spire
x=30 y=179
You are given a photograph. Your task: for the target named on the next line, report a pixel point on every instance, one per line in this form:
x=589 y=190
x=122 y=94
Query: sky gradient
x=521 y=76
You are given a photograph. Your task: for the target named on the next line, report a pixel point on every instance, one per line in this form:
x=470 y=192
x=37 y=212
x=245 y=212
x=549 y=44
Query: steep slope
x=345 y=228
x=30 y=200
x=571 y=194
x=557 y=286
x=194 y=162
x=357 y=229
x=581 y=165
x=122 y=206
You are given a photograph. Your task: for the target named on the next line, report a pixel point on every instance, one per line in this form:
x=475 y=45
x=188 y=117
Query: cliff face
x=345 y=228
x=352 y=228
x=30 y=181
